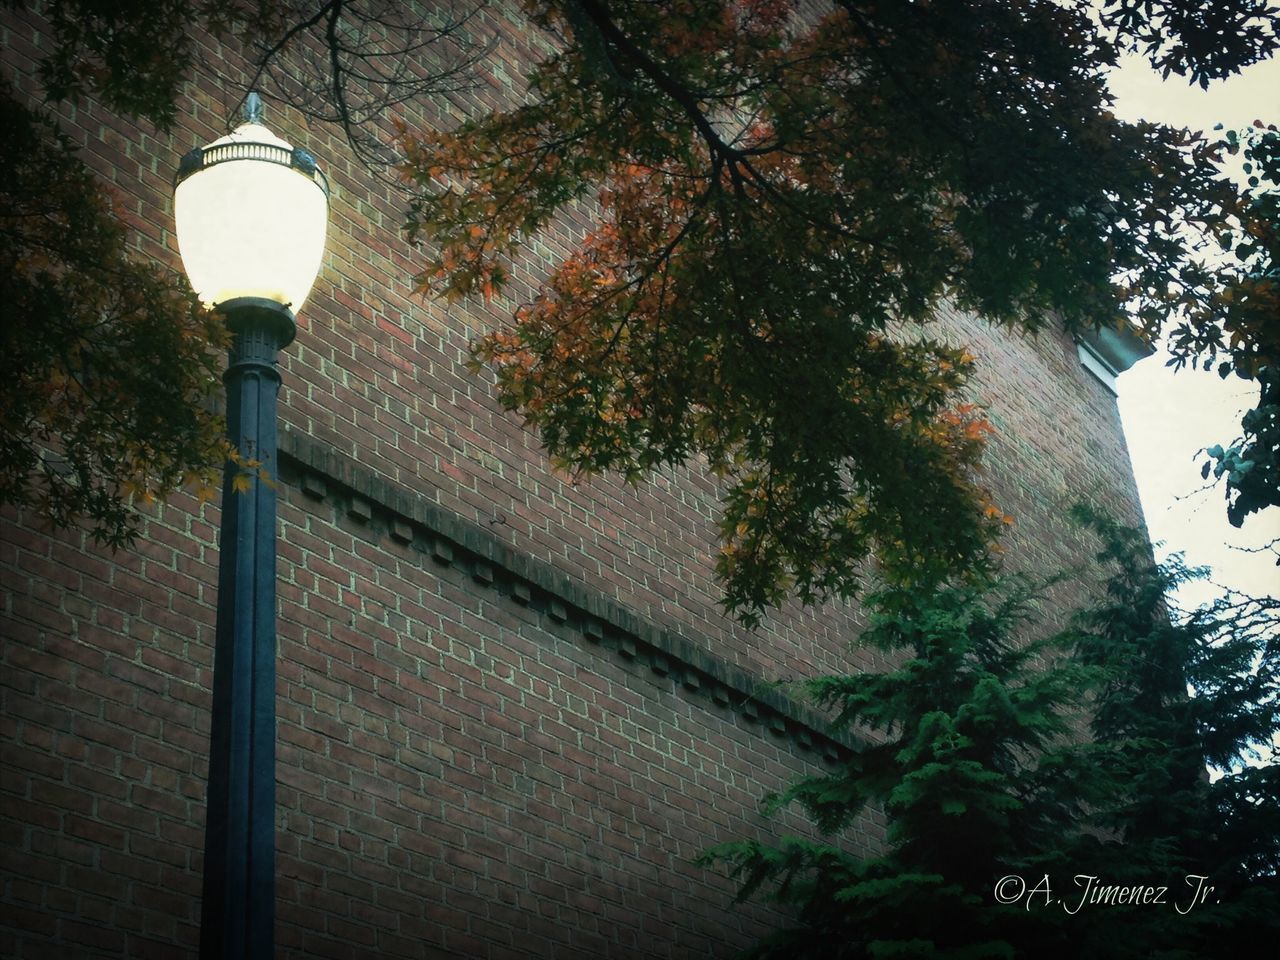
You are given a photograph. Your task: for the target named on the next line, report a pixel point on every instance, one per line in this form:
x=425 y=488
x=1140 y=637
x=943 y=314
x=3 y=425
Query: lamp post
x=250 y=212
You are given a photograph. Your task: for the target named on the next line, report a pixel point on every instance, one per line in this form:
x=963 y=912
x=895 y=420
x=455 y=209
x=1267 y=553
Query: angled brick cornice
x=445 y=538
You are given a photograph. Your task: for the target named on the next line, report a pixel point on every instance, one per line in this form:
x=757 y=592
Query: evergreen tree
x=1074 y=766
x=1177 y=693
x=961 y=753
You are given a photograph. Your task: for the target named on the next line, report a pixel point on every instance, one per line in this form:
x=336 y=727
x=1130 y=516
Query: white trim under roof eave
x=1107 y=352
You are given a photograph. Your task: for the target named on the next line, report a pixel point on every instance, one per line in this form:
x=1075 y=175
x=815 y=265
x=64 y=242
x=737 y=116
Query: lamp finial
x=253 y=108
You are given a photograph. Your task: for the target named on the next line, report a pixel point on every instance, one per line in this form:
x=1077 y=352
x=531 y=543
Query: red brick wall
x=510 y=710
x=468 y=761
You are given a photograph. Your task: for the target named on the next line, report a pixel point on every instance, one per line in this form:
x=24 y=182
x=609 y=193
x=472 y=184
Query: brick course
x=510 y=710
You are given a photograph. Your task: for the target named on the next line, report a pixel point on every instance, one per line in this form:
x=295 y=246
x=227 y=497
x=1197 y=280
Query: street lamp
x=250 y=212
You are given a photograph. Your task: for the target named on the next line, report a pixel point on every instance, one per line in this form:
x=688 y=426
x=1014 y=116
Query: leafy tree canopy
x=787 y=199
x=106 y=370
x=109 y=365
x=1199 y=40
x=1247 y=341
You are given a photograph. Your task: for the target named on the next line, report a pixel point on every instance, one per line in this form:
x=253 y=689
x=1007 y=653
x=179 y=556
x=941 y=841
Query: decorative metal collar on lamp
x=250 y=210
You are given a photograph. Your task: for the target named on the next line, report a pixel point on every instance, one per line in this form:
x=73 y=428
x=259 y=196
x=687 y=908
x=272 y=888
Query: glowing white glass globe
x=251 y=213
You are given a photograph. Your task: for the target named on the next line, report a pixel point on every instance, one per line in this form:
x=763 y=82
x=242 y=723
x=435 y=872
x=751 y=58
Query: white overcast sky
x=1169 y=417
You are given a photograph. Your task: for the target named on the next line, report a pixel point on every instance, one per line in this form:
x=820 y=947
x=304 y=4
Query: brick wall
x=510 y=710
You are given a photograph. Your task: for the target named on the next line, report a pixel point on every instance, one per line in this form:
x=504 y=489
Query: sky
x=1170 y=416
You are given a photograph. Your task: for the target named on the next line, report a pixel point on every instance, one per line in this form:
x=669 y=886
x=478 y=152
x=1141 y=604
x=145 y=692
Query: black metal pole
x=238 y=911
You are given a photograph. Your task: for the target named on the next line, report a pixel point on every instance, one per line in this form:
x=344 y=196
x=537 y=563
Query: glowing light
x=251 y=213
